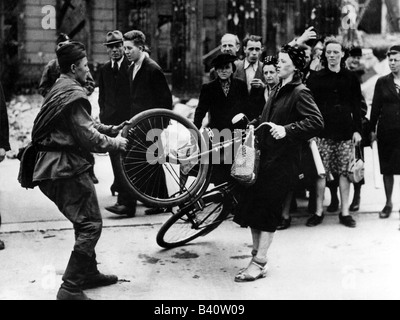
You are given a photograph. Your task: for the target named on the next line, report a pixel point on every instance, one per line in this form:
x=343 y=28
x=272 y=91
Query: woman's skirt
x=261 y=206
x=389 y=153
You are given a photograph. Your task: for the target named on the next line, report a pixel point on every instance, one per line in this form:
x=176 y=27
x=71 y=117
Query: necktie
x=115 y=68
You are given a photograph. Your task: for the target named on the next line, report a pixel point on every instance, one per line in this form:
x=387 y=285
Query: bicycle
x=166 y=149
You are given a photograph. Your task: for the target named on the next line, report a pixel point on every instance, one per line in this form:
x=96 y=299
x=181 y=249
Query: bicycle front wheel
x=154 y=166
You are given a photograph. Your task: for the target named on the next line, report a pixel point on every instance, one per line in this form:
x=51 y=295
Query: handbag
x=356 y=170
x=246 y=164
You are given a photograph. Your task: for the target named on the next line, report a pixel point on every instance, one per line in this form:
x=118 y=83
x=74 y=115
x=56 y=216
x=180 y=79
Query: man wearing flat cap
x=114 y=102
x=64 y=133
x=50 y=75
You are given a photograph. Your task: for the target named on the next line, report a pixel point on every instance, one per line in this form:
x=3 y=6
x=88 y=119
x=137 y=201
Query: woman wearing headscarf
x=293 y=118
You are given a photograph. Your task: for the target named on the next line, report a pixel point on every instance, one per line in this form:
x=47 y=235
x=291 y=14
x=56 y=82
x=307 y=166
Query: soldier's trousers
x=76 y=198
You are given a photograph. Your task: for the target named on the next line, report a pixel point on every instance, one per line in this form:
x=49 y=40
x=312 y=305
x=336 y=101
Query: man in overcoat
x=149 y=88
x=114 y=102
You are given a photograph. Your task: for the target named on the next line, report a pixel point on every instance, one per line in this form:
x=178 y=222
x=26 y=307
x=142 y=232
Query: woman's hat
x=297 y=55
x=114 y=37
x=223 y=59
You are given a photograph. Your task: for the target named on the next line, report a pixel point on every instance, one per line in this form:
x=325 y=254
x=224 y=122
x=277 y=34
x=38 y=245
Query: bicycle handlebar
x=262 y=125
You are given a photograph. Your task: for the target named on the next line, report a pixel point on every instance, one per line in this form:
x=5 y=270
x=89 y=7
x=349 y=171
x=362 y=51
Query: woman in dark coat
x=294 y=118
x=222 y=99
x=385 y=125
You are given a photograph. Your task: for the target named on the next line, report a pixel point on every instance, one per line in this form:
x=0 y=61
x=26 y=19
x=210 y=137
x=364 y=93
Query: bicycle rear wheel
x=157 y=138
x=194 y=221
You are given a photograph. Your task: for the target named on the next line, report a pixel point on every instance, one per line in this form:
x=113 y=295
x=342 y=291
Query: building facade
x=183 y=35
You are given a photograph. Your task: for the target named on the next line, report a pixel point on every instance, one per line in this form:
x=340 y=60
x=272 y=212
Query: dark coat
x=339 y=98
x=256 y=101
x=385 y=115
x=294 y=108
x=385 y=119
x=222 y=109
x=114 y=94
x=4 y=130
x=149 y=89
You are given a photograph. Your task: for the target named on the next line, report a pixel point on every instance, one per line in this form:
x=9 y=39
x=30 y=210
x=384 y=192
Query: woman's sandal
x=245 y=277
x=253 y=254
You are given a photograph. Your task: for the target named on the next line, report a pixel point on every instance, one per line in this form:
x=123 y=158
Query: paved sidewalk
x=326 y=263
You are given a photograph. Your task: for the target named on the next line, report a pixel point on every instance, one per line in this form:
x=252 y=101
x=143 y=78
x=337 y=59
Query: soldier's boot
x=95 y=279
x=73 y=278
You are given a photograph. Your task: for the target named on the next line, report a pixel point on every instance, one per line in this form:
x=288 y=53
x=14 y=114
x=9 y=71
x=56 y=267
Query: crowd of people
x=310 y=90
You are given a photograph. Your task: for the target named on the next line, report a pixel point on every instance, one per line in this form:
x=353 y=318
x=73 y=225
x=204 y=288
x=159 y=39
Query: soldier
x=64 y=133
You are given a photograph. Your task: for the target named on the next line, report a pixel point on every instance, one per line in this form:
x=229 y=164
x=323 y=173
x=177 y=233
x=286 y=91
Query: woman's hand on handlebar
x=277 y=132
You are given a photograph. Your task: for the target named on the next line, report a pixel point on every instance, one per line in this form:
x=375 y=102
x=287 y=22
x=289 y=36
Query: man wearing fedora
x=114 y=102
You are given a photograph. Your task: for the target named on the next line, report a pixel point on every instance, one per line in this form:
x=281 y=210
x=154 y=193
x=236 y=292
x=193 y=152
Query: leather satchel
x=246 y=164
x=27 y=156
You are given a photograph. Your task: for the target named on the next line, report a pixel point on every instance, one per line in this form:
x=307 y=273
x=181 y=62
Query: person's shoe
x=94 y=178
x=66 y=294
x=285 y=224
x=243 y=276
x=155 y=211
x=113 y=190
x=355 y=206
x=315 y=220
x=333 y=207
x=98 y=280
x=122 y=210
x=73 y=278
x=347 y=221
x=2 y=246
x=386 y=212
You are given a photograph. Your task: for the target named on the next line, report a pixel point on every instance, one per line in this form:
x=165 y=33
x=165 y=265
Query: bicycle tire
x=179 y=229
x=152 y=119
